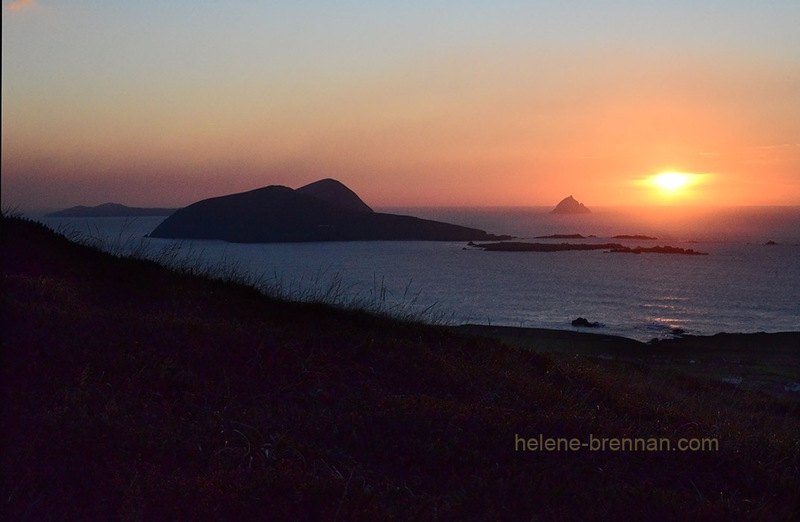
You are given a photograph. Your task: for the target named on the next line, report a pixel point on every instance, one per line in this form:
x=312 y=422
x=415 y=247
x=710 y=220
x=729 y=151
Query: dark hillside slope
x=132 y=392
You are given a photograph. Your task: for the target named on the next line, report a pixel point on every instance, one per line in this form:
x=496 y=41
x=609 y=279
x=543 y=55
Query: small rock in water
x=582 y=321
x=732 y=380
x=793 y=387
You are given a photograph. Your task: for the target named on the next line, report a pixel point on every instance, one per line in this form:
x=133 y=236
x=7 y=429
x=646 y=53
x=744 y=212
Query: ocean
x=743 y=285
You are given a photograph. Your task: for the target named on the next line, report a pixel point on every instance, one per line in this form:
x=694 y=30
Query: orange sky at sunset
x=480 y=104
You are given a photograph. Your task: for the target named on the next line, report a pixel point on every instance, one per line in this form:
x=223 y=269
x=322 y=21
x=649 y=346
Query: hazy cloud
x=782 y=146
x=18 y=5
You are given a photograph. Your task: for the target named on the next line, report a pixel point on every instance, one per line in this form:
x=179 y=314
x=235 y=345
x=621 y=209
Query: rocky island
x=561 y=236
x=658 y=250
x=584 y=322
x=635 y=236
x=569 y=205
x=517 y=246
x=325 y=210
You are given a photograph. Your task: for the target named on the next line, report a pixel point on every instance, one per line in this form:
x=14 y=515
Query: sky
x=414 y=103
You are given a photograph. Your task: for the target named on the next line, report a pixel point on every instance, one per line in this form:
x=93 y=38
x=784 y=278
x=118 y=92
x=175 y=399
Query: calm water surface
x=743 y=285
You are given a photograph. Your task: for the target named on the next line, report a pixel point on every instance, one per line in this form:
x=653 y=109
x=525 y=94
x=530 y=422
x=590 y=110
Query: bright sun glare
x=671 y=181
x=673 y=186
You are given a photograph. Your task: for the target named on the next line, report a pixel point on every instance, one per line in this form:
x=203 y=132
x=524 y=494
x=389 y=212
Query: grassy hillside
x=136 y=393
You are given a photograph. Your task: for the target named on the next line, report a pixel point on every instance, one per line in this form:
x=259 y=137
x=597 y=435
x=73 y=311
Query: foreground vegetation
x=134 y=392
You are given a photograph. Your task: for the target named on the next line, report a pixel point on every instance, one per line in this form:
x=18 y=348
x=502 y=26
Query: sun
x=671 y=181
x=675 y=186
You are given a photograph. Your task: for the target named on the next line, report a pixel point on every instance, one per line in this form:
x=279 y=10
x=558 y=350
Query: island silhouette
x=325 y=210
x=515 y=246
x=569 y=205
x=110 y=210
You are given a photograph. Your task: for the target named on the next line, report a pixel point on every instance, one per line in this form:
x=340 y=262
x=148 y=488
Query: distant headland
x=111 y=210
x=325 y=210
x=569 y=205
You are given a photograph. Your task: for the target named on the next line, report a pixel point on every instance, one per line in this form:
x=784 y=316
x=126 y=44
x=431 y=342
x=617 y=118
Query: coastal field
x=135 y=392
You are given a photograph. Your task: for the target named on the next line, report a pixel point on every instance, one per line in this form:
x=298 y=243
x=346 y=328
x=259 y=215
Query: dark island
x=517 y=246
x=323 y=211
x=635 y=236
x=582 y=321
x=658 y=250
x=111 y=210
x=569 y=205
x=561 y=236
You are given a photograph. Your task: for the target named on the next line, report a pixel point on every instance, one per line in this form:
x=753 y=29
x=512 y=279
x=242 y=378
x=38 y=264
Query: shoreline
x=759 y=360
